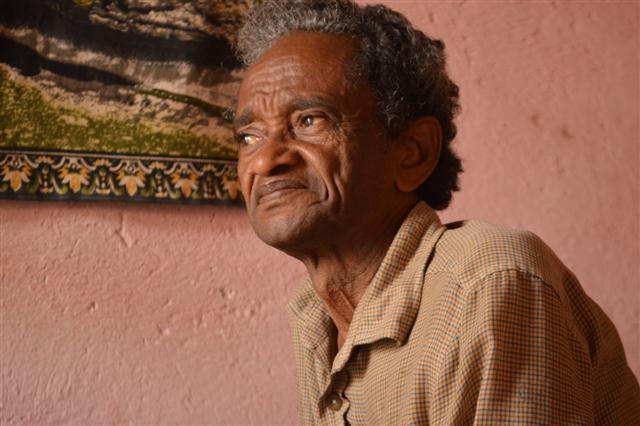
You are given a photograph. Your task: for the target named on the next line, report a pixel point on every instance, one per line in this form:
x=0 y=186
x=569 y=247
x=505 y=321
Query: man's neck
x=341 y=274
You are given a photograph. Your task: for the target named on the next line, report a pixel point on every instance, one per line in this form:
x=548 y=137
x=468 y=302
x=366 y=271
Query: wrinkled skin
x=313 y=160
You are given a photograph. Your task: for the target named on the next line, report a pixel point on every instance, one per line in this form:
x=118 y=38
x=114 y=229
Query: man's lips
x=275 y=189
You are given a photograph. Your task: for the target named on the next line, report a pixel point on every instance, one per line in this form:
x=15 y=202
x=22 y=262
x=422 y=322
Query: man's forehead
x=320 y=65
x=286 y=86
x=276 y=83
x=298 y=50
x=277 y=70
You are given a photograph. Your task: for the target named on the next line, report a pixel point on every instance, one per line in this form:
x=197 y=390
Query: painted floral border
x=44 y=175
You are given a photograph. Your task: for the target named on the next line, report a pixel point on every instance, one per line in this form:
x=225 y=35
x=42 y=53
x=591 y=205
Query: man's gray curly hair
x=405 y=68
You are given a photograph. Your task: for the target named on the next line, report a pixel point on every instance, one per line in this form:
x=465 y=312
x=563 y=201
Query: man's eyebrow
x=246 y=117
x=308 y=103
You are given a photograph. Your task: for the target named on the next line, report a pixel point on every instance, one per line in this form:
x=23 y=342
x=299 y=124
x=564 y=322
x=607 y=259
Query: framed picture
x=118 y=100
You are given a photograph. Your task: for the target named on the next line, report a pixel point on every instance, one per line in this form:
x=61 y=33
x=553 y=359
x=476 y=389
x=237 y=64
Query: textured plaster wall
x=142 y=314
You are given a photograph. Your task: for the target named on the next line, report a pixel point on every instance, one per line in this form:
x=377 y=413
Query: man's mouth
x=276 y=189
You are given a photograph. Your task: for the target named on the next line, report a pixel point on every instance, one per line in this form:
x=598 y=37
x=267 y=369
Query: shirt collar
x=390 y=304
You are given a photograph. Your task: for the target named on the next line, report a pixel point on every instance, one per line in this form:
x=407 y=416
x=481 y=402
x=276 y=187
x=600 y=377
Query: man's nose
x=274 y=156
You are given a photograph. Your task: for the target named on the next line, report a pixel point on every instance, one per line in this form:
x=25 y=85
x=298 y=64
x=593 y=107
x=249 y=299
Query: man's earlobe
x=417 y=151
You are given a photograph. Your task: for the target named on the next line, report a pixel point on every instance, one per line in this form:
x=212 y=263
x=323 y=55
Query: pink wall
x=142 y=314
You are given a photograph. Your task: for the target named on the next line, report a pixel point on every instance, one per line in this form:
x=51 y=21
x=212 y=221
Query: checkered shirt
x=464 y=323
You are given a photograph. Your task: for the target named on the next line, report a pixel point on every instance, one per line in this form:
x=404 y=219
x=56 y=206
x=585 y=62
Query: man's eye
x=247 y=139
x=308 y=121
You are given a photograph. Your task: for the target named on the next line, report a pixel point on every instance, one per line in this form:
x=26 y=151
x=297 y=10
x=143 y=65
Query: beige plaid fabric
x=464 y=324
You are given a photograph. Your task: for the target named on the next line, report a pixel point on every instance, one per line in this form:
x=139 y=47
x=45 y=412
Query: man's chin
x=288 y=233
x=280 y=235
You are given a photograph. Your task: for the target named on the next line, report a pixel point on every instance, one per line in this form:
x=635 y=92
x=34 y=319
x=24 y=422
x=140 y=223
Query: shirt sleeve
x=520 y=360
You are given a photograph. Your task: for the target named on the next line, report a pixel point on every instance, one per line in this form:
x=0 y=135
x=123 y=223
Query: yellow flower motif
x=16 y=172
x=131 y=177
x=231 y=185
x=74 y=174
x=185 y=180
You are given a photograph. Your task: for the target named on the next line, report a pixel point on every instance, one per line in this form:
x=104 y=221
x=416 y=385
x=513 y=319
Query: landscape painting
x=119 y=100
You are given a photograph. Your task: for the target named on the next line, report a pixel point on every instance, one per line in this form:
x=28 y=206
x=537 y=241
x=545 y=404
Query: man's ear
x=416 y=153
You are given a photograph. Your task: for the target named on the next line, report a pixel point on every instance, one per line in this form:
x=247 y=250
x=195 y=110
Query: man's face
x=313 y=165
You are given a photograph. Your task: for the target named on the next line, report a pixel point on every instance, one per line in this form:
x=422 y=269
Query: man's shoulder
x=472 y=250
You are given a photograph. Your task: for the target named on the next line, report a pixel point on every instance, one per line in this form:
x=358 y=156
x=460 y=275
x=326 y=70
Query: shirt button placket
x=335 y=402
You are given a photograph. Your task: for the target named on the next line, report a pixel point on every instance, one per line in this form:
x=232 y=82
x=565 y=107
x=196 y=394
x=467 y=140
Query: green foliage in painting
x=29 y=121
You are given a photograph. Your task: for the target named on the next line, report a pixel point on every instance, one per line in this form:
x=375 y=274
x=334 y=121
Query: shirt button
x=334 y=402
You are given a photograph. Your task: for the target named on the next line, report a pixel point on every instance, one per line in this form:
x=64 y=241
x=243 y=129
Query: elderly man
x=344 y=122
